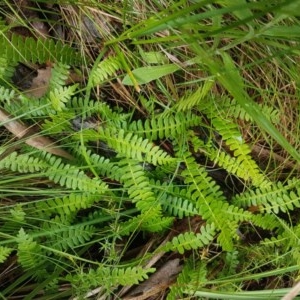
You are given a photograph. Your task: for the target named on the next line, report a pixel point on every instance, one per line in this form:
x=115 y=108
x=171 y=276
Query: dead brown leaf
x=33 y=139
x=40 y=83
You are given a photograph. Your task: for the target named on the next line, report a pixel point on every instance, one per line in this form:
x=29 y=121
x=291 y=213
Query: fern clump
x=140 y=148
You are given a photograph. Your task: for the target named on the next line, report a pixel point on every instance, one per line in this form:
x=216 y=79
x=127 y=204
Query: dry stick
x=34 y=140
x=292 y=293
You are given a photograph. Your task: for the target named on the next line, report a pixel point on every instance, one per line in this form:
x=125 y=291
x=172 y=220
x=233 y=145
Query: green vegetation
x=148 y=136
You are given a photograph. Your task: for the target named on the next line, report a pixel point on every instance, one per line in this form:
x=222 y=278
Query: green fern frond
x=193 y=100
x=177 y=207
x=190 y=278
x=72 y=177
x=275 y=198
x=109 y=277
x=210 y=202
x=232 y=109
x=231 y=263
x=22 y=163
x=59 y=75
x=20 y=49
x=132 y=146
x=4 y=253
x=266 y=221
x=104 y=70
x=156 y=224
x=190 y=240
x=241 y=152
x=287 y=239
x=67 y=237
x=6 y=95
x=138 y=186
x=58 y=123
x=64 y=206
x=58 y=97
x=85 y=107
x=30 y=253
x=7 y=69
x=40 y=107
x=164 y=125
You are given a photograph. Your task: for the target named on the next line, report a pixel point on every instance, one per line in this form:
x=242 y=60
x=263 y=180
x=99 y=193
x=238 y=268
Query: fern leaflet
x=191 y=240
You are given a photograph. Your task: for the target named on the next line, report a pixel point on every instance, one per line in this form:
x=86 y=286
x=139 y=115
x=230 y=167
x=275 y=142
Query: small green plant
x=110 y=174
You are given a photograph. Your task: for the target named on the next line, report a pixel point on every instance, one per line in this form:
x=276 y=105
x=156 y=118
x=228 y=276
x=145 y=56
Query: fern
x=7 y=69
x=138 y=186
x=234 y=111
x=85 y=108
x=191 y=277
x=22 y=163
x=211 y=203
x=104 y=70
x=109 y=277
x=18 y=49
x=164 y=125
x=241 y=152
x=177 y=207
x=275 y=198
x=30 y=254
x=58 y=123
x=60 y=96
x=64 y=206
x=131 y=146
x=66 y=237
x=24 y=105
x=4 y=253
x=190 y=240
x=193 y=100
x=6 y=95
x=72 y=177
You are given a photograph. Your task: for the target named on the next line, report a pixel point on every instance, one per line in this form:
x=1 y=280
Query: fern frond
x=29 y=252
x=20 y=49
x=4 y=253
x=58 y=123
x=132 y=146
x=72 y=177
x=191 y=240
x=104 y=70
x=109 y=277
x=64 y=206
x=177 y=207
x=241 y=152
x=138 y=186
x=67 y=237
x=7 y=68
x=164 y=125
x=191 y=278
x=59 y=75
x=210 y=202
x=232 y=109
x=275 y=198
x=22 y=163
x=24 y=105
x=266 y=221
x=156 y=224
x=58 y=97
x=85 y=107
x=6 y=95
x=190 y=101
